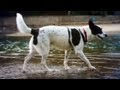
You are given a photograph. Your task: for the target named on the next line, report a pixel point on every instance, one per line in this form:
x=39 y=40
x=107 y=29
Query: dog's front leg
x=66 y=60
x=84 y=58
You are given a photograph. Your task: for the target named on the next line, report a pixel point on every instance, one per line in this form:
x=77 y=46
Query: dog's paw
x=23 y=71
x=51 y=70
x=92 y=68
x=67 y=68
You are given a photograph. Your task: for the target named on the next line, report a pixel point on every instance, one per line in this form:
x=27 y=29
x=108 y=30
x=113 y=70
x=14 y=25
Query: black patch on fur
x=94 y=28
x=75 y=36
x=35 y=33
x=69 y=37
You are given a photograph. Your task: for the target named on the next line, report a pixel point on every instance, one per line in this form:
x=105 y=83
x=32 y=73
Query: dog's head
x=96 y=30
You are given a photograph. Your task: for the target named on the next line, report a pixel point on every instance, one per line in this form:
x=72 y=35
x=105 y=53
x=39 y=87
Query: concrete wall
x=8 y=24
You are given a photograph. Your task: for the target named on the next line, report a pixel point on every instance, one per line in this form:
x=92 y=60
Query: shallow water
x=104 y=55
x=18 y=44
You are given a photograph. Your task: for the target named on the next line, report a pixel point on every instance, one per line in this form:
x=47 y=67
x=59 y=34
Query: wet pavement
x=107 y=64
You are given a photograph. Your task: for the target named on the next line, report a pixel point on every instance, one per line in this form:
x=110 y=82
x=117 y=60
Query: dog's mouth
x=100 y=37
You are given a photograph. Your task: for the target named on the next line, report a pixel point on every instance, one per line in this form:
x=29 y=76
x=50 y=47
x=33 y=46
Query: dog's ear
x=94 y=28
x=91 y=24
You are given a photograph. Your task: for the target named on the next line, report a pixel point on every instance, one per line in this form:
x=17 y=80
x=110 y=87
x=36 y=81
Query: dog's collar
x=85 y=34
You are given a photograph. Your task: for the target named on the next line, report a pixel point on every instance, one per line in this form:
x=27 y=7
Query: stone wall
x=8 y=24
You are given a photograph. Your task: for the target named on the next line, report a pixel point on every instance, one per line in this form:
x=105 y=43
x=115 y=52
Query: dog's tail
x=22 y=27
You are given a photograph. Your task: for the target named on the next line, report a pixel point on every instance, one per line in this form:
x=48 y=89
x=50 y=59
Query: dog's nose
x=106 y=35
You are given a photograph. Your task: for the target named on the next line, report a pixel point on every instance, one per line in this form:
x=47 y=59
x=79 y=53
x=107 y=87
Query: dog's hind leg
x=27 y=59
x=30 y=55
x=84 y=58
x=66 y=59
x=43 y=49
x=43 y=62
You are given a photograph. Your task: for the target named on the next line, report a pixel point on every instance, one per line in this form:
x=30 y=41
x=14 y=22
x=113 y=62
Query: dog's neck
x=84 y=35
x=87 y=33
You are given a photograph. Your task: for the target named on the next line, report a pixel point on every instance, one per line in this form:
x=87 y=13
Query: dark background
x=59 y=7
x=102 y=13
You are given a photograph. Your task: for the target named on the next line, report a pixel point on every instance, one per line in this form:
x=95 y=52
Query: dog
x=66 y=38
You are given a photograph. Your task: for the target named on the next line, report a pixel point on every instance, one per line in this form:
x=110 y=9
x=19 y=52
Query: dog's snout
x=106 y=35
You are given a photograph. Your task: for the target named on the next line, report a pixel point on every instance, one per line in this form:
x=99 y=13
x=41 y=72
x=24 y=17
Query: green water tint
x=110 y=44
x=13 y=45
x=18 y=45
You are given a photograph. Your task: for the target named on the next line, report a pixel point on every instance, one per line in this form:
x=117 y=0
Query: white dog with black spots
x=65 y=38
